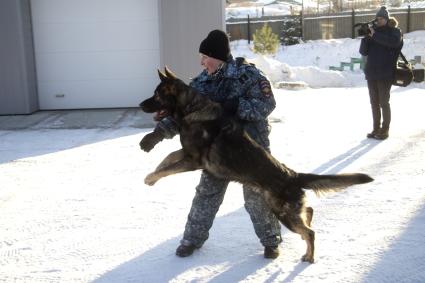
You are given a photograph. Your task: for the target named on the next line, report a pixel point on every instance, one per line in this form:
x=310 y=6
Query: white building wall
x=183 y=25
x=95 y=54
x=104 y=53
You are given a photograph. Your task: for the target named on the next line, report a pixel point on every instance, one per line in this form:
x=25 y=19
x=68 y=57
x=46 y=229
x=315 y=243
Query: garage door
x=95 y=53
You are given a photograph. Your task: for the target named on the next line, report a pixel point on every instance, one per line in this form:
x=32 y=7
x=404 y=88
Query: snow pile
x=279 y=72
x=414 y=45
x=276 y=71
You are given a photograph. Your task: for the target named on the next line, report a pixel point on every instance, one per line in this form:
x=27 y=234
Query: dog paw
x=307 y=258
x=150 y=180
x=146 y=145
x=150 y=140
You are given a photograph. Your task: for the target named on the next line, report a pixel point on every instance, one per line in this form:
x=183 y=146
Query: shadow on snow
x=161 y=265
x=404 y=258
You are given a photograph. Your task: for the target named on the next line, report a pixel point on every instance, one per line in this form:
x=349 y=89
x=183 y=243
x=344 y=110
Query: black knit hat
x=383 y=12
x=216 y=45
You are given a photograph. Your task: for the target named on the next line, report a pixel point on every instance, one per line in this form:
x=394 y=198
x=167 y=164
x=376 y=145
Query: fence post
x=353 y=21
x=249 y=31
x=408 y=19
x=301 y=24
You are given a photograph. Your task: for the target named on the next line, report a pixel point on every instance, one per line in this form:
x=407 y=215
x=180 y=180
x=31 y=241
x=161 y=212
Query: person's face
x=210 y=64
x=380 y=21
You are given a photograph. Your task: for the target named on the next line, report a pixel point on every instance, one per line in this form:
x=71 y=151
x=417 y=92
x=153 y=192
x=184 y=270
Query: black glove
x=230 y=106
x=150 y=140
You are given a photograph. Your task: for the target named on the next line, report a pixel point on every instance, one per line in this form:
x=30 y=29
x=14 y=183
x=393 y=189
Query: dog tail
x=321 y=184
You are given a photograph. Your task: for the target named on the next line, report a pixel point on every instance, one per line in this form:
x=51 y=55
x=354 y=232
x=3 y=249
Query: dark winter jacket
x=382 y=50
x=242 y=85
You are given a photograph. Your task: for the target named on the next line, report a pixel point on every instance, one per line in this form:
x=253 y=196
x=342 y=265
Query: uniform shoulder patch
x=265 y=87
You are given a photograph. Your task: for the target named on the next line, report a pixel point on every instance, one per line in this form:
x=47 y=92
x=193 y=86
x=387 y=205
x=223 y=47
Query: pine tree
x=291 y=31
x=265 y=41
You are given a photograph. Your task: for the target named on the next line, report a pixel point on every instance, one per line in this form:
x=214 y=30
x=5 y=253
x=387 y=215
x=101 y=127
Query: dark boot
x=373 y=134
x=382 y=135
x=271 y=252
x=185 y=250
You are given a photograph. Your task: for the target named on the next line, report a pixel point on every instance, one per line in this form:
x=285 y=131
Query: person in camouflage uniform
x=244 y=91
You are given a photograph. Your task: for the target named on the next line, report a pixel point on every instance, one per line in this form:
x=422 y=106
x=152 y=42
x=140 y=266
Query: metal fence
x=341 y=25
x=245 y=28
x=326 y=26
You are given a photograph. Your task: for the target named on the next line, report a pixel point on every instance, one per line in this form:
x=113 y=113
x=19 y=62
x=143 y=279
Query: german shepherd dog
x=214 y=142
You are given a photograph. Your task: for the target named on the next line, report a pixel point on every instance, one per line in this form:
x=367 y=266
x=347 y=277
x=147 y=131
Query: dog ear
x=170 y=74
x=162 y=76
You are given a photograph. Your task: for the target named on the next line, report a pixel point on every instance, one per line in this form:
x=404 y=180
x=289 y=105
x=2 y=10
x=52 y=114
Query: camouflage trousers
x=208 y=198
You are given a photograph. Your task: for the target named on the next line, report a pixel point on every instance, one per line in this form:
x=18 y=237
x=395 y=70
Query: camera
x=364 y=28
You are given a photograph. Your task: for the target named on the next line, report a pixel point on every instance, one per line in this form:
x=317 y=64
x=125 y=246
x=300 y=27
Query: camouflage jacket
x=235 y=79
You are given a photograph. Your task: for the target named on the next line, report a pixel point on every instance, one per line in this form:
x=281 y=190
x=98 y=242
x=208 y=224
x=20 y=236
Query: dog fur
x=217 y=143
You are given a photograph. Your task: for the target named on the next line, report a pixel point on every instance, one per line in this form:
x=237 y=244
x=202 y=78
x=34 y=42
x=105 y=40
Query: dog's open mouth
x=161 y=114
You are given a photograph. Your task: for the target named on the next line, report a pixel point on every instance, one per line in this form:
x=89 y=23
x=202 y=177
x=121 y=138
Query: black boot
x=185 y=250
x=373 y=134
x=271 y=252
x=382 y=135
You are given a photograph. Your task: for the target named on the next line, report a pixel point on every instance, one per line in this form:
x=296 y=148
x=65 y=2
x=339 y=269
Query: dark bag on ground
x=418 y=75
x=403 y=72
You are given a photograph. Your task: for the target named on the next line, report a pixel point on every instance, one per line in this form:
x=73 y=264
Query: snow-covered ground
x=74 y=207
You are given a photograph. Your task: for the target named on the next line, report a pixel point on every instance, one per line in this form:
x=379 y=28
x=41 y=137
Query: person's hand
x=150 y=140
x=372 y=31
x=230 y=106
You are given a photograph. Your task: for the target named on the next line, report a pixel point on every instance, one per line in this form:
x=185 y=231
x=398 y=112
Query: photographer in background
x=382 y=46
